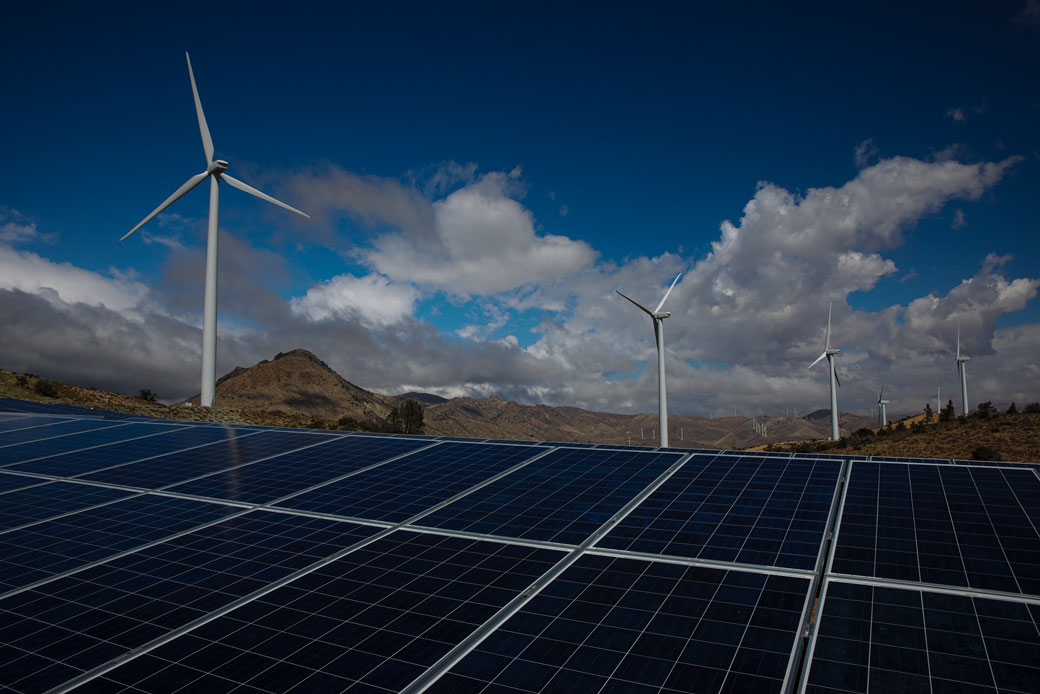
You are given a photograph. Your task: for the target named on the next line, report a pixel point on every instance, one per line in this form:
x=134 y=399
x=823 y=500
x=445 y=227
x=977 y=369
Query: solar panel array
x=146 y=555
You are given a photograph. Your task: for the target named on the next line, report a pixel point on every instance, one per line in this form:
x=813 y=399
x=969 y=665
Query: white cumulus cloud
x=373 y=298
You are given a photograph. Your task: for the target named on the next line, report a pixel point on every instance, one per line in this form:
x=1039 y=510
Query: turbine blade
x=958 y=342
x=642 y=308
x=818 y=360
x=827 y=345
x=882 y=393
x=836 y=379
x=263 y=196
x=667 y=293
x=177 y=195
x=207 y=141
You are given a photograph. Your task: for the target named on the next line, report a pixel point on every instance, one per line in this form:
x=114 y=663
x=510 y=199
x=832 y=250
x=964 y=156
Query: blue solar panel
x=58 y=630
x=11 y=482
x=622 y=625
x=55 y=546
x=746 y=509
x=31 y=504
x=562 y=497
x=293 y=472
x=14 y=405
x=373 y=620
x=47 y=431
x=883 y=639
x=84 y=461
x=903 y=459
x=24 y=422
x=944 y=524
x=397 y=491
x=166 y=470
x=87 y=439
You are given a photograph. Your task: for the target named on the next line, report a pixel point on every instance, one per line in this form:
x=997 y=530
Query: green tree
x=985 y=453
x=411 y=413
x=1032 y=408
x=928 y=412
x=47 y=389
x=147 y=395
x=985 y=410
x=1012 y=409
x=948 y=414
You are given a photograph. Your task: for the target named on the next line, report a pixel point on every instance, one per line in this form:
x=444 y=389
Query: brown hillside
x=298 y=381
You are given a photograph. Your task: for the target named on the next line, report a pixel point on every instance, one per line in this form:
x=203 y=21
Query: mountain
x=298 y=381
x=424 y=398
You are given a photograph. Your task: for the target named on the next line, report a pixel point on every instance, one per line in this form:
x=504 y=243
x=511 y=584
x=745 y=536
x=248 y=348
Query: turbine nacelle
x=218 y=166
x=661 y=315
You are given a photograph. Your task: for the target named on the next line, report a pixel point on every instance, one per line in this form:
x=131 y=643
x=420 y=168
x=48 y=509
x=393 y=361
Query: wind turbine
x=963 y=373
x=216 y=171
x=829 y=353
x=658 y=316
x=881 y=405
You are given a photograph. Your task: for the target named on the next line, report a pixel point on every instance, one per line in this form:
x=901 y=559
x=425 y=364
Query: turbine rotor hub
x=662 y=314
x=218 y=166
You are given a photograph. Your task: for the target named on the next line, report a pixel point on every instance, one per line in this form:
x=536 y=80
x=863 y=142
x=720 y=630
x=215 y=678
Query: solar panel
x=55 y=546
x=879 y=638
x=944 y=524
x=747 y=509
x=293 y=472
x=166 y=470
x=13 y=405
x=31 y=504
x=109 y=455
x=24 y=422
x=375 y=619
x=81 y=441
x=63 y=427
x=612 y=624
x=397 y=491
x=563 y=496
x=487 y=566
x=60 y=629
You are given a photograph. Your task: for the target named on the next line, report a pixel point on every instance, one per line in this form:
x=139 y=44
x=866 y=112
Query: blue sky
x=481 y=180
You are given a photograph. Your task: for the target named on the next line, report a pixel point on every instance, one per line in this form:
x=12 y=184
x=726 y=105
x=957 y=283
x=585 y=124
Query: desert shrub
x=46 y=388
x=22 y=380
x=1032 y=408
x=148 y=395
x=985 y=453
x=900 y=425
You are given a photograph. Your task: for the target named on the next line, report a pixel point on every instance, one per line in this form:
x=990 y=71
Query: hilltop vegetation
x=985 y=435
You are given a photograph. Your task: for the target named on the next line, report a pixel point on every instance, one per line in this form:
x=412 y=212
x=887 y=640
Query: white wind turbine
x=216 y=171
x=658 y=316
x=829 y=353
x=881 y=402
x=963 y=374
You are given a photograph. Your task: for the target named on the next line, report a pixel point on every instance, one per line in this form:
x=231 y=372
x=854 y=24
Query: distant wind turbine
x=658 y=316
x=829 y=353
x=961 y=361
x=881 y=406
x=216 y=171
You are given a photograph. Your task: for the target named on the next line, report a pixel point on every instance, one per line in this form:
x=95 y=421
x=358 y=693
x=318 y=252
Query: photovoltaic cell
x=156 y=473
x=24 y=422
x=624 y=625
x=53 y=499
x=881 y=639
x=55 y=546
x=372 y=620
x=14 y=405
x=87 y=439
x=56 y=631
x=943 y=524
x=12 y=439
x=292 y=472
x=747 y=509
x=82 y=462
x=561 y=497
x=11 y=482
x=397 y=491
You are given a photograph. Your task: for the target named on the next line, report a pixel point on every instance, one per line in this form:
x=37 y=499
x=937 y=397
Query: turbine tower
x=658 y=316
x=963 y=374
x=829 y=353
x=881 y=406
x=216 y=171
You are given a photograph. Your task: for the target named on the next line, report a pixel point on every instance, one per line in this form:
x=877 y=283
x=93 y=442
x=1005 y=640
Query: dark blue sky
x=636 y=129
